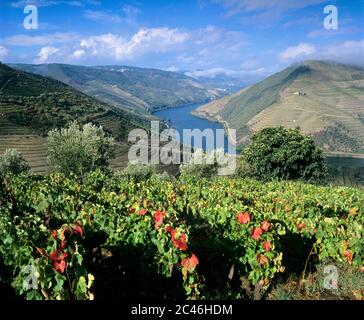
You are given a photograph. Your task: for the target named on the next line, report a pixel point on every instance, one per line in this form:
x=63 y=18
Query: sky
x=246 y=39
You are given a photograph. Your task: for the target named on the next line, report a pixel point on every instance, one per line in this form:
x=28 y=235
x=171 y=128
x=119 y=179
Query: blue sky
x=249 y=39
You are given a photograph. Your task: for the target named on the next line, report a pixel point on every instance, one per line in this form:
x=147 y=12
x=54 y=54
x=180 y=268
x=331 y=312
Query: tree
x=285 y=154
x=12 y=161
x=79 y=150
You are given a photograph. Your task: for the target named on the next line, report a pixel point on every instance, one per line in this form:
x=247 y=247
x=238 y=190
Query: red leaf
x=243 y=218
x=60 y=266
x=54 y=255
x=142 y=212
x=181 y=242
x=76 y=228
x=54 y=233
x=349 y=256
x=257 y=232
x=190 y=263
x=158 y=217
x=301 y=226
x=267 y=246
x=266 y=225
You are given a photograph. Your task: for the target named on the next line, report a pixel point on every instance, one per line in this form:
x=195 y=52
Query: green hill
x=326 y=100
x=132 y=89
x=34 y=104
x=31 y=105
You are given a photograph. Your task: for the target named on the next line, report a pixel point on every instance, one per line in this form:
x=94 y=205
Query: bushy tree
x=285 y=154
x=79 y=149
x=12 y=161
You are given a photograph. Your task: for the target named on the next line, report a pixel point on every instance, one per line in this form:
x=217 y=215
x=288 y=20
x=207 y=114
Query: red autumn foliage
x=190 y=263
x=301 y=226
x=142 y=212
x=158 y=217
x=181 y=242
x=58 y=256
x=59 y=260
x=267 y=246
x=77 y=229
x=265 y=225
x=349 y=256
x=60 y=266
x=257 y=232
x=243 y=218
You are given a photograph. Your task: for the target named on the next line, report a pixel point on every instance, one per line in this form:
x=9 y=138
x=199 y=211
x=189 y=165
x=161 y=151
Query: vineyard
x=109 y=237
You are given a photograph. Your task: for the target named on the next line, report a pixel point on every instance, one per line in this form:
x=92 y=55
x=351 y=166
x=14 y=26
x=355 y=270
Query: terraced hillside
x=132 y=89
x=32 y=147
x=326 y=100
x=346 y=170
x=31 y=105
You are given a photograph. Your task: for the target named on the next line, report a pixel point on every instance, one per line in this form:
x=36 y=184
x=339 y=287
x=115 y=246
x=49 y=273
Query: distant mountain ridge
x=136 y=90
x=227 y=84
x=325 y=99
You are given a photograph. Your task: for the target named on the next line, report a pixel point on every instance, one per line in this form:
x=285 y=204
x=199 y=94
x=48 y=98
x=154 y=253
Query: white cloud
x=348 y=52
x=172 y=69
x=146 y=40
x=3 y=52
x=302 y=50
x=210 y=73
x=216 y=72
x=46 y=53
x=351 y=52
x=78 y=53
x=211 y=45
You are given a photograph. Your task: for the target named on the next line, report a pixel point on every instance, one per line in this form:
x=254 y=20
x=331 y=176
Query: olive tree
x=79 y=149
x=12 y=161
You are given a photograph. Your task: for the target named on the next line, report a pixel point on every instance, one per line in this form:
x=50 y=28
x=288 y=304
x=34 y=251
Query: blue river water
x=181 y=118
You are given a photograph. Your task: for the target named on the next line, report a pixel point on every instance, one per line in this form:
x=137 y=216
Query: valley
x=135 y=90
x=321 y=98
x=326 y=100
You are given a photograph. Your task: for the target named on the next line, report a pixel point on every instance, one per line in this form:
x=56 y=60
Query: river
x=181 y=118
